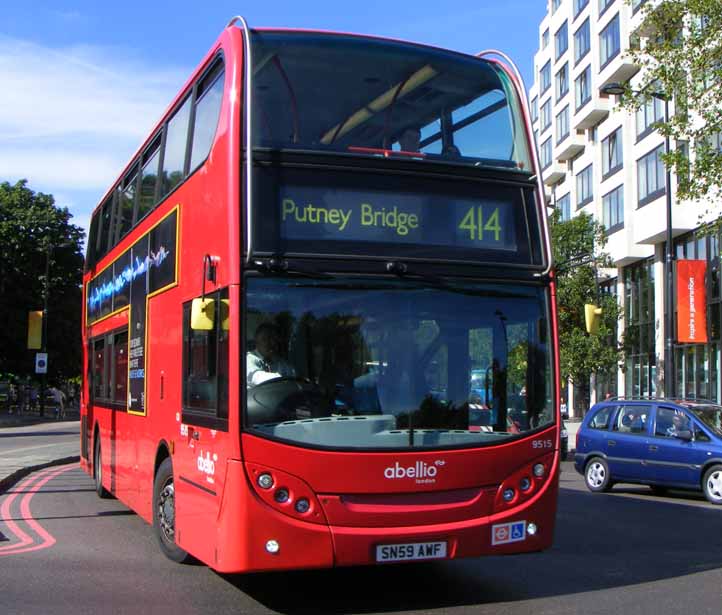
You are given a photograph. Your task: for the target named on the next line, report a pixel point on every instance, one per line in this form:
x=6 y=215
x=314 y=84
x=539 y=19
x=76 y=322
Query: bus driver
x=265 y=362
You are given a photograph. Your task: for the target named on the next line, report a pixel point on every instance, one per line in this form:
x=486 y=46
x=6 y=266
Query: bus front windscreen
x=365 y=363
x=367 y=96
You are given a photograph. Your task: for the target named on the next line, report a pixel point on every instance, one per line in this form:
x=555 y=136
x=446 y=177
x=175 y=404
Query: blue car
x=660 y=443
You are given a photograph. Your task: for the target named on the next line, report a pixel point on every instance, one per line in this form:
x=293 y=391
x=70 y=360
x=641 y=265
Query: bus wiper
x=401 y=269
x=279 y=266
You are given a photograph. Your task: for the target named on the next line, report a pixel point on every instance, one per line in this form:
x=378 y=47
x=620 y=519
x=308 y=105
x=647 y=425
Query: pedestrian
x=59 y=400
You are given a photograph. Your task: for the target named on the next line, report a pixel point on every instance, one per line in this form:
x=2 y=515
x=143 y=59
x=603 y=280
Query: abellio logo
x=421 y=471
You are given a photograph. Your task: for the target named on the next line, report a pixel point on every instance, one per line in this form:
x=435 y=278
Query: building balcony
x=638 y=24
x=620 y=69
x=569 y=147
x=591 y=113
x=622 y=249
x=651 y=221
x=554 y=173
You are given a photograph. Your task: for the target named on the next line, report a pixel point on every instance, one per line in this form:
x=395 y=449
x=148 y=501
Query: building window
x=583 y=88
x=612 y=153
x=581 y=41
x=545 y=39
x=534 y=109
x=546 y=115
x=555 y=5
x=562 y=124
x=563 y=205
x=562 y=84
x=648 y=115
x=579 y=6
x=650 y=176
x=604 y=5
x=585 y=191
x=609 y=42
x=545 y=153
x=561 y=40
x=545 y=77
x=636 y=4
x=613 y=209
x=639 y=330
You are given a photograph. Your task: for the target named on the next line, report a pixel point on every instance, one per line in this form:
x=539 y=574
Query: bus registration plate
x=410 y=551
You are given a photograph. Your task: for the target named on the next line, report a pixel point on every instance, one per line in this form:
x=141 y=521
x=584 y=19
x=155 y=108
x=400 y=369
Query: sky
x=83 y=83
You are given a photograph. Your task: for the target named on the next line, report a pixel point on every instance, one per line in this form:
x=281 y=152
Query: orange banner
x=691 y=301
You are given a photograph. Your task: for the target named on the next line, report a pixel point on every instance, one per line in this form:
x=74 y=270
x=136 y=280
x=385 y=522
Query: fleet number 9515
x=542 y=444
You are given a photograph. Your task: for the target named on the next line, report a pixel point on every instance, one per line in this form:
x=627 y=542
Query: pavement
x=23 y=461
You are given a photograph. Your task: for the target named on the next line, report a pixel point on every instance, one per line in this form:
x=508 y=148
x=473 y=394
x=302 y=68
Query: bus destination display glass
x=313 y=213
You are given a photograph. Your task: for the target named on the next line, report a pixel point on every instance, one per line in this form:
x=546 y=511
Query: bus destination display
x=317 y=213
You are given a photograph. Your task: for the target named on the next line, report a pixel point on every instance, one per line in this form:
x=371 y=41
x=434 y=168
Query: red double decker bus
x=319 y=318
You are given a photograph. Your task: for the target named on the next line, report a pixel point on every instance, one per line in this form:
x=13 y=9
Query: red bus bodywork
x=222 y=517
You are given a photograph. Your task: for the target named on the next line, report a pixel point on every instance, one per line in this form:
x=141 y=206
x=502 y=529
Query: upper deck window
x=354 y=95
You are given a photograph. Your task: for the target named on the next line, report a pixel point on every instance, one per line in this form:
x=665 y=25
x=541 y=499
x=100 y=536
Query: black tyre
x=712 y=484
x=658 y=490
x=98 y=471
x=596 y=475
x=164 y=513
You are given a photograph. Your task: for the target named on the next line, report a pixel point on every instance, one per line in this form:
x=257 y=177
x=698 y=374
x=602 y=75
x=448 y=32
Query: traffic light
x=35 y=330
x=592 y=316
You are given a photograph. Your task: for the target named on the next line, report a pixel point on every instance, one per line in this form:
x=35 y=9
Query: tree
x=578 y=255
x=680 y=57
x=33 y=229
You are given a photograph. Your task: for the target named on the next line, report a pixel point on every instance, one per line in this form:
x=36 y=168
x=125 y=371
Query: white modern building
x=605 y=161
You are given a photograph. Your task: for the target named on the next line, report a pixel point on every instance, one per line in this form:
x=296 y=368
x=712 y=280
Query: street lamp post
x=618 y=89
x=44 y=331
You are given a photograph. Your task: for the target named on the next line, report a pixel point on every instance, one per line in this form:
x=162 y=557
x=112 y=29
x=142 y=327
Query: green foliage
x=680 y=57
x=577 y=246
x=32 y=229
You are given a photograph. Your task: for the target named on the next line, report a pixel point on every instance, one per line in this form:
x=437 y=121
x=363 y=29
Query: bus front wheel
x=164 y=513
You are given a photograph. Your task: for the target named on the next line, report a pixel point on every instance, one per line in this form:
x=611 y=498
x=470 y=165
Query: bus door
x=200 y=459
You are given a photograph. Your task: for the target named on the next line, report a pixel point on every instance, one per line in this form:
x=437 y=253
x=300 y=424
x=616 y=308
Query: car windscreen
x=710 y=415
x=365 y=96
x=373 y=363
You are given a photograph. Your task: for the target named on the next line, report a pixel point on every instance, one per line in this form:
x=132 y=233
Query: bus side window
x=174 y=154
x=92 y=241
x=205 y=366
x=126 y=205
x=207 y=110
x=148 y=181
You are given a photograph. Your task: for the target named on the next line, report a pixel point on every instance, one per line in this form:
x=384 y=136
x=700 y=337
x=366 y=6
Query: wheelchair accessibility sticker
x=508 y=532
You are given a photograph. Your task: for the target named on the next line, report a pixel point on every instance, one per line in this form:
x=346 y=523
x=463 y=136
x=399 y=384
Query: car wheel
x=712 y=484
x=596 y=475
x=164 y=513
x=659 y=490
x=98 y=471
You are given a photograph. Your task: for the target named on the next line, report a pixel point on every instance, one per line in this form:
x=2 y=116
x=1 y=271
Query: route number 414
x=474 y=223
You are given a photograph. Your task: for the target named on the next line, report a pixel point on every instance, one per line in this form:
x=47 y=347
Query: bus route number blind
x=312 y=213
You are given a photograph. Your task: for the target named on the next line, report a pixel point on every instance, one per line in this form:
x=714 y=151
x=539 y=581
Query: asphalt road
x=625 y=552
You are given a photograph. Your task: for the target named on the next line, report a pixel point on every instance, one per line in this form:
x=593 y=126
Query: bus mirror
x=202 y=314
x=225 y=314
x=592 y=316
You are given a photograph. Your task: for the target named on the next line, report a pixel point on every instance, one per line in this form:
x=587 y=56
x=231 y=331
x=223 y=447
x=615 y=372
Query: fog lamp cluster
x=524 y=483
x=287 y=493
